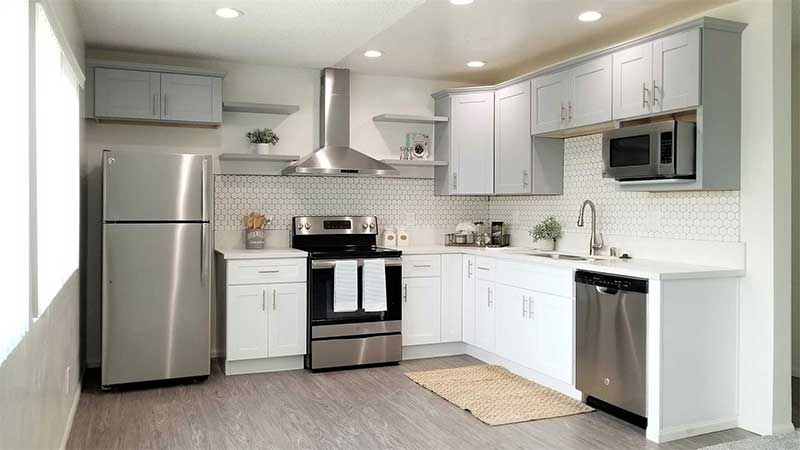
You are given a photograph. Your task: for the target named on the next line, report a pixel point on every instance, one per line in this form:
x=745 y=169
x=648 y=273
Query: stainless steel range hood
x=336 y=157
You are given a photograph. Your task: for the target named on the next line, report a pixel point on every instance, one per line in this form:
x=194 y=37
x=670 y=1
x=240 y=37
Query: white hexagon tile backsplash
x=707 y=215
x=390 y=199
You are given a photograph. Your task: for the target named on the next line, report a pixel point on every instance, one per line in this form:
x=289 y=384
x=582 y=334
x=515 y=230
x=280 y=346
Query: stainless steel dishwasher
x=611 y=339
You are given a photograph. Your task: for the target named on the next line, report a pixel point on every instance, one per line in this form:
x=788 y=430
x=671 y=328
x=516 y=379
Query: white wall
x=796 y=191
x=764 y=360
x=370 y=96
x=40 y=379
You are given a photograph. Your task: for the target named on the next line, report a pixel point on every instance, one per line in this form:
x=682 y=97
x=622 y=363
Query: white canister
x=389 y=238
x=403 y=239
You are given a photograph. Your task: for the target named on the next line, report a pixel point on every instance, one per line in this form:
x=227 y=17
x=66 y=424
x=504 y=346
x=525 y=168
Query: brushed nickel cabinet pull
x=274 y=293
x=269 y=271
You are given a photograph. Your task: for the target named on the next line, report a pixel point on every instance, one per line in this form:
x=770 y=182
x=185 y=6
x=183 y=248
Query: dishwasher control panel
x=612 y=281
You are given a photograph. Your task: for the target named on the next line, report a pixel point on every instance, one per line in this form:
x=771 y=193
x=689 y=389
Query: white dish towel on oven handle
x=374 y=285
x=345 y=286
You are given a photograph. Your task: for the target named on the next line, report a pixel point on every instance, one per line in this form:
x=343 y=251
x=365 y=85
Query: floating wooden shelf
x=408 y=118
x=259 y=108
x=414 y=162
x=257 y=157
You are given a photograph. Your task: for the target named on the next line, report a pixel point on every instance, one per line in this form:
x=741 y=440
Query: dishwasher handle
x=606 y=290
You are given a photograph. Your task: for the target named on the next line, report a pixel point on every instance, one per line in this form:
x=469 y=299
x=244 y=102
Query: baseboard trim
x=691 y=429
x=76 y=398
x=433 y=350
x=262 y=365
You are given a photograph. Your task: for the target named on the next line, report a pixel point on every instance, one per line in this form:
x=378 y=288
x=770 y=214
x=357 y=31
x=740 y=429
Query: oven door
x=635 y=152
x=320 y=294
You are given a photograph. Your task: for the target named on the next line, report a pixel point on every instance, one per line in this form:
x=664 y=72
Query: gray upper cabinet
x=466 y=143
x=549 y=97
x=512 y=139
x=590 y=93
x=676 y=71
x=141 y=92
x=191 y=98
x=658 y=76
x=127 y=94
x=572 y=98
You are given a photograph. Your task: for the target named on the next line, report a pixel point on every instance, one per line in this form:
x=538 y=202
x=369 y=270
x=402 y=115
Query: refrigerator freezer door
x=146 y=186
x=156 y=301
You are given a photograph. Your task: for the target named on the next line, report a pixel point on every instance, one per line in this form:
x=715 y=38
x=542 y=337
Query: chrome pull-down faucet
x=594 y=246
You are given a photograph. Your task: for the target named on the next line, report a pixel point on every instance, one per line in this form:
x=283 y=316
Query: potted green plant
x=262 y=141
x=545 y=234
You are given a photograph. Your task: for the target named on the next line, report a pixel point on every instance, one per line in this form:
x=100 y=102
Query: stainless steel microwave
x=650 y=151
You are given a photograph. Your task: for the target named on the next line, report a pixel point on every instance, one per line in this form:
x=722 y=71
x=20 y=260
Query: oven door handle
x=331 y=263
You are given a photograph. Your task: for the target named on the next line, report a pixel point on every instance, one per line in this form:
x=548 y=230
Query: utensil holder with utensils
x=255 y=234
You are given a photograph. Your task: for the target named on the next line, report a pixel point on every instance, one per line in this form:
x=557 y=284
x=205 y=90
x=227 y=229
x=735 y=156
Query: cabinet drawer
x=536 y=277
x=257 y=271
x=422 y=266
x=485 y=268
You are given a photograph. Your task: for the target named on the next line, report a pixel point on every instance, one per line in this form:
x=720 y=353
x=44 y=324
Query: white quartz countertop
x=635 y=267
x=641 y=268
x=265 y=253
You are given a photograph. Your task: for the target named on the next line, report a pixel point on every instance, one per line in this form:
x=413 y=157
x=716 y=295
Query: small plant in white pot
x=262 y=141
x=545 y=234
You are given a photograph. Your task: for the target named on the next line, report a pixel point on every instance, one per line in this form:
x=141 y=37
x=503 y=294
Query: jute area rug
x=496 y=396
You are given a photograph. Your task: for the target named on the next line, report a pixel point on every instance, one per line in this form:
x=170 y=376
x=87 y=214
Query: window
x=15 y=183
x=57 y=167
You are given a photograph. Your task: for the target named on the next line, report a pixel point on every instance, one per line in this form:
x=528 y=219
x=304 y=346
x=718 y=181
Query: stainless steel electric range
x=348 y=339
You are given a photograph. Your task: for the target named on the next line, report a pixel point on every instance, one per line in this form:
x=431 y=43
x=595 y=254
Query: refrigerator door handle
x=203 y=254
x=204 y=188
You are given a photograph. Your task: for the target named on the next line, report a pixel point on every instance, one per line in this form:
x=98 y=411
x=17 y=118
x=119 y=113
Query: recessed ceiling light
x=589 y=16
x=373 y=54
x=461 y=2
x=476 y=64
x=229 y=13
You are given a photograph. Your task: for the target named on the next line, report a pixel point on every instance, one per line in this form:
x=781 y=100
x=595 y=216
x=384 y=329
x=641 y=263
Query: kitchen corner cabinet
x=512 y=139
x=572 y=98
x=452 y=288
x=658 y=76
x=468 y=291
x=149 y=95
x=466 y=143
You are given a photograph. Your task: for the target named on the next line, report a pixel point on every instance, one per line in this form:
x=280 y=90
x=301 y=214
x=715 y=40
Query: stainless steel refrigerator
x=156 y=280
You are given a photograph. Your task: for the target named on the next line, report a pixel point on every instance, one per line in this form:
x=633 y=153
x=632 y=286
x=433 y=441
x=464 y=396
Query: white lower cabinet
x=515 y=328
x=468 y=299
x=421 y=310
x=553 y=338
x=247 y=322
x=287 y=319
x=485 y=298
x=451 y=298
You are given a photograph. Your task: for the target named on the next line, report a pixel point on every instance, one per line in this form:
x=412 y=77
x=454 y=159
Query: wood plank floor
x=375 y=408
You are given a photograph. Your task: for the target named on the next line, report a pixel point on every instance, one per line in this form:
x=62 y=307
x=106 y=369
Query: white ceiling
x=420 y=38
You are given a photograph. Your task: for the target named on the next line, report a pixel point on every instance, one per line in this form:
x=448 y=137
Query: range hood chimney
x=336 y=157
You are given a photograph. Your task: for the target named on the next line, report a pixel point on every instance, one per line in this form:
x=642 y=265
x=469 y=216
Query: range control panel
x=334 y=225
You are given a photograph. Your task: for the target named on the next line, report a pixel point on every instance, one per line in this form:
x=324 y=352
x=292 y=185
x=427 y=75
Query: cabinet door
x=472 y=141
x=468 y=299
x=676 y=71
x=549 y=97
x=512 y=139
x=191 y=98
x=510 y=318
x=246 y=322
x=553 y=339
x=126 y=94
x=484 y=315
x=286 y=304
x=632 y=78
x=451 y=298
x=590 y=93
x=421 y=311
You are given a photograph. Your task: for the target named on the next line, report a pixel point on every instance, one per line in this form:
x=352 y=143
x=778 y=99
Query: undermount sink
x=560 y=256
